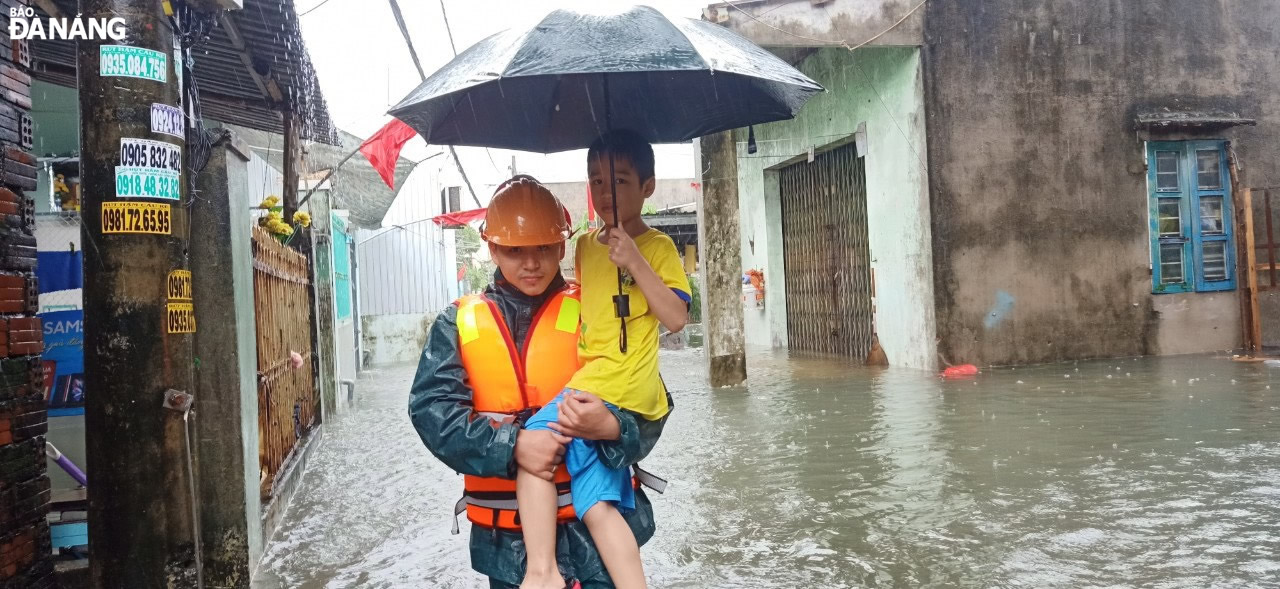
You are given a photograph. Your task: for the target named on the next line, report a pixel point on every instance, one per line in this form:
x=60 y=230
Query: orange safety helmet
x=523 y=212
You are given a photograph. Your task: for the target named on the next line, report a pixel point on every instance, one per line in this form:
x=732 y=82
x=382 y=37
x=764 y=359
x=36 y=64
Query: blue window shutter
x=1154 y=196
x=1200 y=240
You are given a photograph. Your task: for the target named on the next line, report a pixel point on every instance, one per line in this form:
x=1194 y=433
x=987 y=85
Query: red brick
x=18 y=154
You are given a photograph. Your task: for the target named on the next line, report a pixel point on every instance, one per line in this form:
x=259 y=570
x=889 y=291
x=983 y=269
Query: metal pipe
x=195 y=505
x=52 y=452
x=355 y=303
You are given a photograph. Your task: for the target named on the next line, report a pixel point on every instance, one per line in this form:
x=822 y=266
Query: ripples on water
x=1120 y=473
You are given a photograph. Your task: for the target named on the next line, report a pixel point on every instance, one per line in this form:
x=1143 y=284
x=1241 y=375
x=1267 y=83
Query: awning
x=1175 y=121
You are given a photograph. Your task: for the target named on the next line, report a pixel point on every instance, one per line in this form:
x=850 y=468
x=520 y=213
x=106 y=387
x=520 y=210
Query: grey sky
x=364 y=68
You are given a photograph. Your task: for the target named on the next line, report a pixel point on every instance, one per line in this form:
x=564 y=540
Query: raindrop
x=1020 y=382
x=1233 y=381
x=1108 y=376
x=1175 y=381
x=1114 y=446
x=1066 y=376
x=1126 y=375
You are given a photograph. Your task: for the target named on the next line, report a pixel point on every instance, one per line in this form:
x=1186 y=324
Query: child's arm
x=665 y=304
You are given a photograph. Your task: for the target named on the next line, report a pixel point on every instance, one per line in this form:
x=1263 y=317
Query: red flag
x=459 y=218
x=383 y=149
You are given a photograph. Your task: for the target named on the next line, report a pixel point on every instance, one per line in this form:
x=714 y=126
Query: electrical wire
x=193 y=29
x=448 y=29
x=404 y=31
x=313 y=8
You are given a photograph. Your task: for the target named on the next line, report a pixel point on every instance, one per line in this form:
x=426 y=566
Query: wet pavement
x=1120 y=473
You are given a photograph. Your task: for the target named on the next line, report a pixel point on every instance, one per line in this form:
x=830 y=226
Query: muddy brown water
x=1121 y=473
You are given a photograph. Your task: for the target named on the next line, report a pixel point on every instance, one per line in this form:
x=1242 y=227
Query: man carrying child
x=491 y=359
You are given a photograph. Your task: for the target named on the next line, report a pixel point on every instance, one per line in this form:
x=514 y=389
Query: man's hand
x=622 y=250
x=540 y=452
x=584 y=415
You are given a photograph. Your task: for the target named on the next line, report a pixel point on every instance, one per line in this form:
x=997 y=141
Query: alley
x=1135 y=472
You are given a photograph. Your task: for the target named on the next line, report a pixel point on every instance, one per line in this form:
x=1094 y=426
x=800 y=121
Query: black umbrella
x=572 y=77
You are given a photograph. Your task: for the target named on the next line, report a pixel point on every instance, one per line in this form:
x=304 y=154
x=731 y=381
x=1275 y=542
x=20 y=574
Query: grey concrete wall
x=346 y=338
x=394 y=339
x=1038 y=189
x=832 y=23
x=225 y=381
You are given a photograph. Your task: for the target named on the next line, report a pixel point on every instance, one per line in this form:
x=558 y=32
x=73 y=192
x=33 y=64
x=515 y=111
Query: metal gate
x=827 y=255
x=286 y=393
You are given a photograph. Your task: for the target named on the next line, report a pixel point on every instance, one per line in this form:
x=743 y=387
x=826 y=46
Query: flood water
x=1120 y=473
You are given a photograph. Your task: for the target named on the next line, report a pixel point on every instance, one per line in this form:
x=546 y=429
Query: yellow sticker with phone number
x=137 y=217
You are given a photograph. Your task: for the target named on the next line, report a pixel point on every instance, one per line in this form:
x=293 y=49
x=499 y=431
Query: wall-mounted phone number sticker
x=180 y=317
x=179 y=286
x=137 y=217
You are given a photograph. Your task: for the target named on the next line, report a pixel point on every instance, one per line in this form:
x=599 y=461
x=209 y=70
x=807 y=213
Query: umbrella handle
x=621 y=302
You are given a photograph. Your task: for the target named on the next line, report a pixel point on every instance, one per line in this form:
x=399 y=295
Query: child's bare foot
x=543 y=580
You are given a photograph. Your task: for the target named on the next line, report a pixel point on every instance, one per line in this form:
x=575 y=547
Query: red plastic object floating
x=963 y=370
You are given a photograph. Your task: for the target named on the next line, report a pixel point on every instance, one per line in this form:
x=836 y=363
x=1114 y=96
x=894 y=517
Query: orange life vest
x=504 y=383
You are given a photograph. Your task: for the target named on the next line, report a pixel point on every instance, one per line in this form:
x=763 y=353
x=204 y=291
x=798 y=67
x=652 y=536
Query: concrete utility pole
x=138 y=308
x=718 y=236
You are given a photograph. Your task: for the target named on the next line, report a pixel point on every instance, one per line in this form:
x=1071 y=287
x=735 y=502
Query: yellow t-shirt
x=629 y=380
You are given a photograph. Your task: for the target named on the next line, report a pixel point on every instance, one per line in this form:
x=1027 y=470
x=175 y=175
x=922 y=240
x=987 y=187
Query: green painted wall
x=881 y=87
x=56 y=114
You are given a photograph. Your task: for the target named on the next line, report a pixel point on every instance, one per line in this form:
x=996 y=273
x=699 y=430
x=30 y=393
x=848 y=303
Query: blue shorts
x=591 y=481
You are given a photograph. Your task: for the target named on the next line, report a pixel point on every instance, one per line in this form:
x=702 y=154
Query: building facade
x=1041 y=182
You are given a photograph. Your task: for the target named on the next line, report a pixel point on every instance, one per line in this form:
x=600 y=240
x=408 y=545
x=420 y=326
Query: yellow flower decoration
x=270 y=202
x=302 y=218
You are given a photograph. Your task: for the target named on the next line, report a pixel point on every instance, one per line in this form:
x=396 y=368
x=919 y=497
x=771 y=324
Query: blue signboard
x=62 y=272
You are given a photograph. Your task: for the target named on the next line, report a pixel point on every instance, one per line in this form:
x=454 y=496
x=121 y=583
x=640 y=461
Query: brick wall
x=25 y=559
